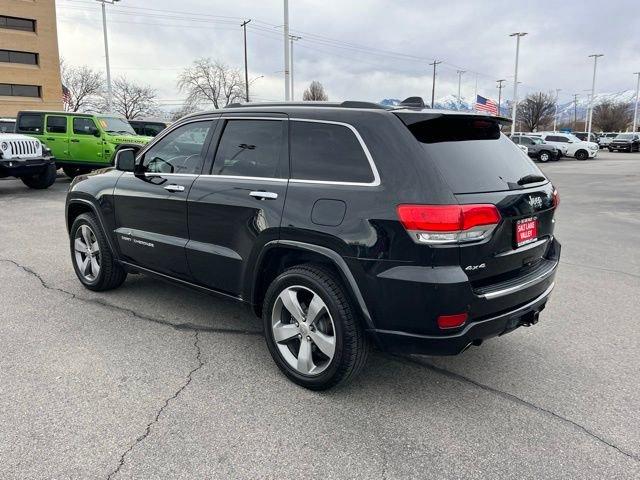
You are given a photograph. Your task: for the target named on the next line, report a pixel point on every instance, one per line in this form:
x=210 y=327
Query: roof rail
x=358 y=104
x=345 y=104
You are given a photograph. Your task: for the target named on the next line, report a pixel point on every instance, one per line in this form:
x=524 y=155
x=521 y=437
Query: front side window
x=83 y=126
x=180 y=151
x=327 y=152
x=30 y=122
x=251 y=148
x=56 y=124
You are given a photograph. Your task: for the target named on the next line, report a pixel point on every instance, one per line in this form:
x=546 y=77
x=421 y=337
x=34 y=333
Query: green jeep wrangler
x=80 y=142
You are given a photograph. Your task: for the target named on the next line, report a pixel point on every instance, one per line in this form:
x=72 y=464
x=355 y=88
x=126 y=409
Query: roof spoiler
x=413 y=102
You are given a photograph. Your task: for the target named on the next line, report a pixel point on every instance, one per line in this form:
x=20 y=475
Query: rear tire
x=97 y=269
x=582 y=155
x=310 y=288
x=73 y=172
x=41 y=180
x=544 y=156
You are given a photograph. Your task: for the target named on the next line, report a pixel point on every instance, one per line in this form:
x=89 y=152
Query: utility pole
x=286 y=51
x=246 y=70
x=460 y=73
x=555 y=115
x=475 y=95
x=433 y=85
x=635 y=109
x=500 y=82
x=515 y=82
x=292 y=38
x=593 y=91
x=575 y=111
x=106 y=52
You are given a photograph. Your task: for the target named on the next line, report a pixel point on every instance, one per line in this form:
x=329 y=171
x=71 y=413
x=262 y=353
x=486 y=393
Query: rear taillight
x=556 y=198
x=437 y=224
x=452 y=321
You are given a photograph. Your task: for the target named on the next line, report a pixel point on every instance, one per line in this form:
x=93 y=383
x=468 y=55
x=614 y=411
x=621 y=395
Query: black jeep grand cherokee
x=424 y=231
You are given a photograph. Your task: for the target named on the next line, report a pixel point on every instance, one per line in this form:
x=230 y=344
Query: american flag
x=486 y=105
x=66 y=95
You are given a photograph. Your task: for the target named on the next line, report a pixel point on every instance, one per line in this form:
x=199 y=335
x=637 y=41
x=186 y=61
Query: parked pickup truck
x=80 y=142
x=26 y=158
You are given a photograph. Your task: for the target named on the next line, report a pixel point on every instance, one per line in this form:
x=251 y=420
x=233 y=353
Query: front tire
x=93 y=262
x=41 y=180
x=311 y=328
x=582 y=155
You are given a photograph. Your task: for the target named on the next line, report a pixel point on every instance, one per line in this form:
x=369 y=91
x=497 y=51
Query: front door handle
x=264 y=195
x=75 y=140
x=174 y=188
x=50 y=138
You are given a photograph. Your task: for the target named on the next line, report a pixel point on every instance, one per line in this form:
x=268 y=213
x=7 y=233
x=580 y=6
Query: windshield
x=625 y=136
x=116 y=125
x=472 y=155
x=573 y=138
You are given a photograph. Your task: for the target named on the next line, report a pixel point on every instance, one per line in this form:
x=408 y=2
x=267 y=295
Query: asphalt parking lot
x=154 y=381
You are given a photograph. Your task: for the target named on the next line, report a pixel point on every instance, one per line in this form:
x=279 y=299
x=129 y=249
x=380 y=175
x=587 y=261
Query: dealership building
x=29 y=59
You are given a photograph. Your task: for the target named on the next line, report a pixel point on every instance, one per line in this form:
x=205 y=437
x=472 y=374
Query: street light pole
x=635 y=109
x=515 y=81
x=575 y=111
x=460 y=73
x=106 y=52
x=286 y=51
x=593 y=92
x=246 y=69
x=555 y=115
x=292 y=38
x=435 y=63
x=500 y=82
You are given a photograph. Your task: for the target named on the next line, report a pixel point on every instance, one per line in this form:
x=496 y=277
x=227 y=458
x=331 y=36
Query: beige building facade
x=29 y=58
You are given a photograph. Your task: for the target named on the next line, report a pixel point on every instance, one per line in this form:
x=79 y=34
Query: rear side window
x=251 y=148
x=556 y=138
x=56 y=124
x=30 y=122
x=327 y=152
x=153 y=129
x=471 y=153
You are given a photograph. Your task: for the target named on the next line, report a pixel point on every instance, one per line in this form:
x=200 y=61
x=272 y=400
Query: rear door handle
x=264 y=195
x=174 y=188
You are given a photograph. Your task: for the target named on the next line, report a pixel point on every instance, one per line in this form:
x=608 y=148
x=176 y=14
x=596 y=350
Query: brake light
x=452 y=321
x=556 y=198
x=448 y=223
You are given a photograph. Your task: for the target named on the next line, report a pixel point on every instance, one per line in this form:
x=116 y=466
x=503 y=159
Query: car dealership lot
x=153 y=380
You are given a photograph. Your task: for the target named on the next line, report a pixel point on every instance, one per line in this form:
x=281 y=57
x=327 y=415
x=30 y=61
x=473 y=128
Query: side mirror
x=125 y=160
x=95 y=132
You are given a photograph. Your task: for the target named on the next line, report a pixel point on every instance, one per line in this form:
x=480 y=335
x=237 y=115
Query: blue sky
x=365 y=50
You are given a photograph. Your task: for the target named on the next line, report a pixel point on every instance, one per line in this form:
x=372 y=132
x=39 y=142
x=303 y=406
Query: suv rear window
x=470 y=152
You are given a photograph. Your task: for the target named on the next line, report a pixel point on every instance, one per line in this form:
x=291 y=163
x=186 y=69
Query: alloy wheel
x=87 y=253
x=303 y=330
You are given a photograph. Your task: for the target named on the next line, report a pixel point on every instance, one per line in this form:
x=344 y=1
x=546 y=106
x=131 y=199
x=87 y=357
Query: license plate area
x=526 y=231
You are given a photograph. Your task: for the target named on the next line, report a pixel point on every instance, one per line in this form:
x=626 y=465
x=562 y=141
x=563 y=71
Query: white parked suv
x=569 y=144
x=605 y=139
x=26 y=158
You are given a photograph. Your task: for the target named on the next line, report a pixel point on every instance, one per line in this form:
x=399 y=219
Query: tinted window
x=7 y=126
x=83 y=126
x=516 y=140
x=471 y=154
x=556 y=138
x=327 y=152
x=16 y=23
x=527 y=141
x=180 y=151
x=152 y=129
x=30 y=122
x=56 y=124
x=12 y=56
x=251 y=148
x=138 y=127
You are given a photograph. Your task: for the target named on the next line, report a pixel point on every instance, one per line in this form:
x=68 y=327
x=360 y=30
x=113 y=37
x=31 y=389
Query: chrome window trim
x=376 y=176
x=240 y=177
x=282 y=119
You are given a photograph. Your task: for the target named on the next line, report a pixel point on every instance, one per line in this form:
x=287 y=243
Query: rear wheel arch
x=278 y=256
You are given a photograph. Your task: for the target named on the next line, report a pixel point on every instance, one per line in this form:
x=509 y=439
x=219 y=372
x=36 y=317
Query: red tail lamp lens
x=447 y=218
x=452 y=321
x=556 y=198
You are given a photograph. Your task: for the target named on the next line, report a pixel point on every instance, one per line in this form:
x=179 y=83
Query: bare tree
x=611 y=116
x=315 y=93
x=211 y=81
x=185 y=109
x=130 y=99
x=536 y=110
x=83 y=87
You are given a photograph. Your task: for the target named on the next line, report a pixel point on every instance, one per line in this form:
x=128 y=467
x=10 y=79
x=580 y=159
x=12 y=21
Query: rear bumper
x=20 y=167
x=402 y=342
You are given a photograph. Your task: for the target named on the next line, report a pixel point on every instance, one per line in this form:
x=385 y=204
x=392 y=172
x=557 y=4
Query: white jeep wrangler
x=27 y=159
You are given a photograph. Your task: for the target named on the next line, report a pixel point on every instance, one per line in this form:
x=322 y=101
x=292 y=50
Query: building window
x=13 y=90
x=15 y=23
x=13 y=56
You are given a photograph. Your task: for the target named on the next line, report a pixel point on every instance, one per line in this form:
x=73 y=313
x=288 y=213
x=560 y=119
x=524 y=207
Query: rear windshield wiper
x=531 y=179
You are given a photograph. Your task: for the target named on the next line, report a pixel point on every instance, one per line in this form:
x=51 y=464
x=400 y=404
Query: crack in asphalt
x=186 y=326
x=150 y=425
x=514 y=398
x=602 y=269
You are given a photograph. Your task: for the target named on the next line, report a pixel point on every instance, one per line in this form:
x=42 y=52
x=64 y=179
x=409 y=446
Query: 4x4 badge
x=535 y=201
